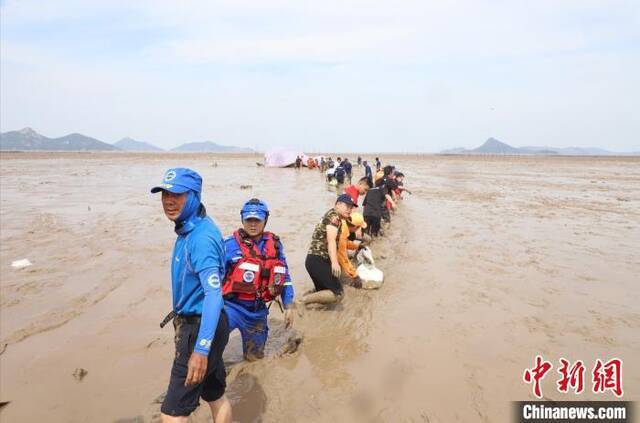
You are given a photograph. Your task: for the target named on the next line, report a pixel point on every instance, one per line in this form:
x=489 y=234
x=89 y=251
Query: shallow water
x=490 y=262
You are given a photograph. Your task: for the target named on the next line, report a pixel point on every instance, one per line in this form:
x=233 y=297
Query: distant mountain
x=29 y=140
x=25 y=139
x=129 y=144
x=570 y=151
x=210 y=147
x=493 y=146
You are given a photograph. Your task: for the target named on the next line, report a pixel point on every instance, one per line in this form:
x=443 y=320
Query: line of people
x=222 y=284
x=342 y=231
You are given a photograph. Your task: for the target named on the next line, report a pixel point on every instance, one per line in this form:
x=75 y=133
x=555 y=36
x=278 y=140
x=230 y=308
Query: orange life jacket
x=311 y=163
x=255 y=275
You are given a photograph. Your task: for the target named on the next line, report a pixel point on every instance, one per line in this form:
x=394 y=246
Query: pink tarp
x=283 y=158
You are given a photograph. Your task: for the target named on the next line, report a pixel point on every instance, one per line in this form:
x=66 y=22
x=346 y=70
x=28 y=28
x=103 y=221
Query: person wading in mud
x=348 y=240
x=367 y=172
x=339 y=175
x=197 y=268
x=374 y=205
x=355 y=191
x=400 y=186
x=389 y=182
x=348 y=169
x=257 y=273
x=322 y=259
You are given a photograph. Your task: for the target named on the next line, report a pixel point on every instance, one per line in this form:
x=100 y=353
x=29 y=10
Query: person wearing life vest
x=312 y=163
x=257 y=274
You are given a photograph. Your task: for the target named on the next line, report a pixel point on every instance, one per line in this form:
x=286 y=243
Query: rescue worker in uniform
x=257 y=273
x=197 y=268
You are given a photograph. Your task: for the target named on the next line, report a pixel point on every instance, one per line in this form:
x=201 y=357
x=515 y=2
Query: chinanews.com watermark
x=573 y=411
x=575 y=378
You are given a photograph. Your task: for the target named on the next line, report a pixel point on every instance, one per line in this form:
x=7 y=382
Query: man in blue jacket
x=197 y=269
x=367 y=172
x=246 y=300
x=348 y=168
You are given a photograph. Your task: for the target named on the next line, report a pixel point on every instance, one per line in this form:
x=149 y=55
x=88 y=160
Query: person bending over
x=322 y=258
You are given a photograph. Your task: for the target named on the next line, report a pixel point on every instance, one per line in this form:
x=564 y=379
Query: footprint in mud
x=157 y=342
x=291 y=346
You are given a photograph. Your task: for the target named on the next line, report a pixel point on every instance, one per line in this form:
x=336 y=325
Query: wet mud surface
x=490 y=262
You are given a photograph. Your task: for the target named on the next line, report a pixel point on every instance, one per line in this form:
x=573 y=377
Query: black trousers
x=319 y=269
x=183 y=400
x=373 y=225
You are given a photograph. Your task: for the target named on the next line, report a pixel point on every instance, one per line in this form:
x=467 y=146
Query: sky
x=330 y=75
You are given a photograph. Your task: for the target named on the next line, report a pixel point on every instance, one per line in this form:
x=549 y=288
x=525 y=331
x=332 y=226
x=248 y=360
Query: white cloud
x=322 y=48
x=426 y=75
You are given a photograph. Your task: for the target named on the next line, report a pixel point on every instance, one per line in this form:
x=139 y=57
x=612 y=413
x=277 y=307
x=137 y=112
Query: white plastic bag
x=372 y=277
x=19 y=264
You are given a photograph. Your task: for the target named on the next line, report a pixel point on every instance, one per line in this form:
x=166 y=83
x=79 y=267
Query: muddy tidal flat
x=491 y=261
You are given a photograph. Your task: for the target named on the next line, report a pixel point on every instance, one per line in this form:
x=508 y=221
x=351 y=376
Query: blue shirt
x=339 y=173
x=347 y=167
x=233 y=253
x=367 y=171
x=197 y=269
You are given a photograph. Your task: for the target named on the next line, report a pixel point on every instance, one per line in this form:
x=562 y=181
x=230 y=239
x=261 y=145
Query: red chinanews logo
x=605 y=376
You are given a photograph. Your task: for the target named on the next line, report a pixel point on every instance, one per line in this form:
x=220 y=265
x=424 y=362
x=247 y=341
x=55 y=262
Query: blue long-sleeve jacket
x=233 y=253
x=197 y=269
x=347 y=167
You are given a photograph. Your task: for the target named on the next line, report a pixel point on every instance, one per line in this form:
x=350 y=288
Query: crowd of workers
x=222 y=284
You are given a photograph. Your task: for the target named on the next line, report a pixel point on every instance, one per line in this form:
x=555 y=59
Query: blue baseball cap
x=254 y=209
x=346 y=198
x=179 y=180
